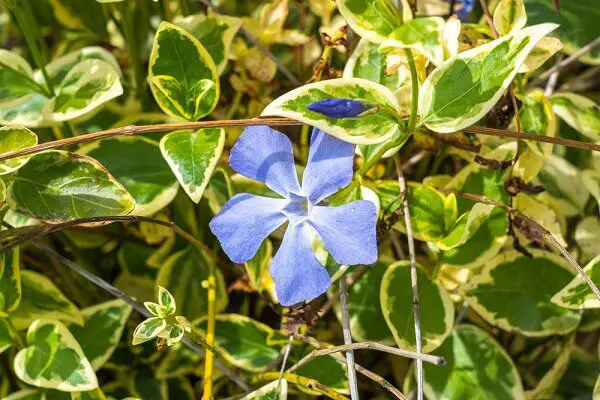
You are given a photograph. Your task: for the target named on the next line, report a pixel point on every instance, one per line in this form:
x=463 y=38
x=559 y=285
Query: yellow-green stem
x=304 y=140
x=414 y=80
x=210 y=332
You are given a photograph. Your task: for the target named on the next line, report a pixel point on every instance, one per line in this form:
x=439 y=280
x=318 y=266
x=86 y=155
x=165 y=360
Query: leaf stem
x=413 y=276
x=210 y=332
x=348 y=339
x=414 y=81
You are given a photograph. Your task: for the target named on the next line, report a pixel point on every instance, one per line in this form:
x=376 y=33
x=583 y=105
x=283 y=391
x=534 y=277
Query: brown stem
x=133 y=130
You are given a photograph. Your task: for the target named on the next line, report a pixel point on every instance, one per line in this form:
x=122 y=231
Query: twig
x=533 y=228
x=101 y=283
x=551 y=84
x=374 y=377
x=311 y=384
x=133 y=130
x=360 y=369
x=348 y=339
x=32 y=232
x=569 y=60
x=260 y=46
x=488 y=17
x=436 y=360
x=286 y=353
x=413 y=276
x=329 y=304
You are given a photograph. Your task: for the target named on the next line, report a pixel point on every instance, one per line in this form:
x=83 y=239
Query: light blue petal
x=244 y=222
x=265 y=155
x=297 y=273
x=329 y=166
x=348 y=231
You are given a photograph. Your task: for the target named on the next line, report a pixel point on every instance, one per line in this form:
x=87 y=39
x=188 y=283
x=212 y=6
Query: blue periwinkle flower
x=348 y=231
x=338 y=108
x=466 y=6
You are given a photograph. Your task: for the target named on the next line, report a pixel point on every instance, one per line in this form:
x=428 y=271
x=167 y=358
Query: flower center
x=297 y=208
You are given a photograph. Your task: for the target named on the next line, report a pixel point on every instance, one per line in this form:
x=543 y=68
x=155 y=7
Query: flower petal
x=348 y=231
x=244 y=222
x=329 y=167
x=265 y=155
x=297 y=273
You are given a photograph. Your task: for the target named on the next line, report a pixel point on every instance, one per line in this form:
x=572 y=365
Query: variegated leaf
x=182 y=75
x=148 y=330
x=12 y=138
x=192 y=157
x=579 y=112
x=54 y=359
x=367 y=128
x=509 y=16
x=464 y=88
x=577 y=294
x=55 y=186
x=426 y=35
x=371 y=19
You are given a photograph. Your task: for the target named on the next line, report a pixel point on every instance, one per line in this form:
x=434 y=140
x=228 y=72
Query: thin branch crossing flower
x=347 y=231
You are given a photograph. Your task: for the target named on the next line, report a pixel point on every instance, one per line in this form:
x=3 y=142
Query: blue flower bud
x=338 y=108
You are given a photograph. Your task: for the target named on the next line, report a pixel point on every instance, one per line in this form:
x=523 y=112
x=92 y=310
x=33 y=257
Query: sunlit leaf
x=476 y=364
x=192 y=157
x=367 y=128
x=579 y=112
x=54 y=359
x=57 y=186
x=464 y=88
x=137 y=163
x=509 y=16
x=371 y=19
x=513 y=292
x=182 y=75
x=426 y=35
x=396 y=305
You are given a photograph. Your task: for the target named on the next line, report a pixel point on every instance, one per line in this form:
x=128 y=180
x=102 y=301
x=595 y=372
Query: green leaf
x=367 y=322
x=477 y=364
x=54 y=359
x=536 y=116
x=368 y=128
x=182 y=275
x=564 y=183
x=137 y=163
x=166 y=300
x=559 y=357
x=83 y=80
x=577 y=24
x=244 y=342
x=101 y=332
x=42 y=299
x=274 y=390
x=426 y=35
x=577 y=295
x=16 y=78
x=510 y=16
x=179 y=361
x=543 y=50
x=371 y=19
x=219 y=190
x=182 y=75
x=586 y=236
x=10 y=280
x=14 y=138
x=367 y=62
x=192 y=157
x=579 y=112
x=6 y=337
x=396 y=305
x=464 y=88
x=491 y=235
x=513 y=292
x=215 y=32
x=87 y=85
x=148 y=330
x=59 y=186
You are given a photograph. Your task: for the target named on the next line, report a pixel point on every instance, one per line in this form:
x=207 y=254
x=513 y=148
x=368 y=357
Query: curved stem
x=414 y=80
